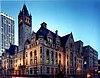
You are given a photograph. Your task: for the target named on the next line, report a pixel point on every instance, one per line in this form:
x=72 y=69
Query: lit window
x=31 y=61
x=47 y=60
x=49 y=39
x=40 y=59
x=26 y=62
x=59 y=55
x=47 y=56
x=26 y=54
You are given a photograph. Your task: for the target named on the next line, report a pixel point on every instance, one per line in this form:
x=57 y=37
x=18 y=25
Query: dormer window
x=57 y=41
x=50 y=39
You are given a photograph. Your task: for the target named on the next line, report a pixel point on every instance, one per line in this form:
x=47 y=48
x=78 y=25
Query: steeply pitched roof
x=24 y=11
x=44 y=31
x=64 y=39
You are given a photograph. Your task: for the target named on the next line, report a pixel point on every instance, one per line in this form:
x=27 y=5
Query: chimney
x=56 y=32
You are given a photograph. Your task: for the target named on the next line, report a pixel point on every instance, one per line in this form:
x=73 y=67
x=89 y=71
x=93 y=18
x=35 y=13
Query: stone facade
x=45 y=52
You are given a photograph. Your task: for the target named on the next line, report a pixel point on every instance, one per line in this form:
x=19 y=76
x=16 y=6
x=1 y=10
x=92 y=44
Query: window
x=52 y=54
x=47 y=56
x=48 y=70
x=40 y=49
x=31 y=61
x=26 y=62
x=52 y=61
x=67 y=71
x=35 y=70
x=59 y=55
x=67 y=56
x=67 y=63
x=26 y=54
x=47 y=52
x=40 y=59
x=11 y=61
x=31 y=72
x=35 y=53
x=52 y=70
x=59 y=61
x=41 y=69
x=56 y=70
x=56 y=54
x=31 y=54
x=49 y=39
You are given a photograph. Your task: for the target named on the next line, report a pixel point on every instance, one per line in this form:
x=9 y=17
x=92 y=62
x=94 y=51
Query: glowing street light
x=88 y=75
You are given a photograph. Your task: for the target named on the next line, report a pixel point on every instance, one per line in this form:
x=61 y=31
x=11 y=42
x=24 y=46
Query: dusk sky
x=82 y=18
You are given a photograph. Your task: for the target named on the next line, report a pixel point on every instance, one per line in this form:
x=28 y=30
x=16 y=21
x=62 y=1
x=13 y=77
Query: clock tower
x=24 y=27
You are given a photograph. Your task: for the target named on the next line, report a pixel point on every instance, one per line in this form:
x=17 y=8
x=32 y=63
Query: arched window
x=52 y=57
x=35 y=53
x=40 y=49
x=35 y=57
x=47 y=52
x=31 y=54
x=59 y=56
x=47 y=56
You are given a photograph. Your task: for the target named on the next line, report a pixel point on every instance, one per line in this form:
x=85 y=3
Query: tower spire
x=24 y=10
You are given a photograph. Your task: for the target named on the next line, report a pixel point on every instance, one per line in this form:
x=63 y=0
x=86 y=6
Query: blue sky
x=82 y=18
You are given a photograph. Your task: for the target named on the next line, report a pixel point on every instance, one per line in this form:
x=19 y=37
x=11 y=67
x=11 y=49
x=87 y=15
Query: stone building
x=45 y=52
x=8 y=60
x=79 y=58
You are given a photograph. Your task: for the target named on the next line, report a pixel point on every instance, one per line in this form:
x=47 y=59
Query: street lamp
x=88 y=75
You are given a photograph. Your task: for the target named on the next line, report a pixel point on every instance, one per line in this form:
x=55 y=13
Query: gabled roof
x=64 y=39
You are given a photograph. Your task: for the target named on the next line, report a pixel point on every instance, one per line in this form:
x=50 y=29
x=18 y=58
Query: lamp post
x=85 y=66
